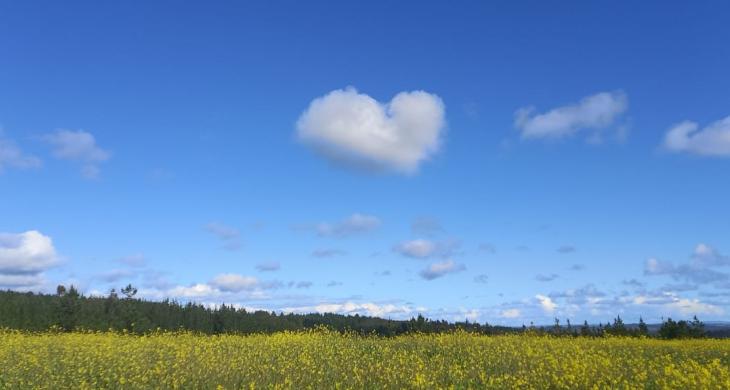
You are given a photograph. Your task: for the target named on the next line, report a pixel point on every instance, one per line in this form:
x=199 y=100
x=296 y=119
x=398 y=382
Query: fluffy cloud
x=198 y=290
x=79 y=146
x=354 y=224
x=713 y=140
x=26 y=253
x=437 y=270
x=230 y=237
x=594 y=112
x=546 y=303
x=12 y=156
x=350 y=127
x=423 y=249
x=416 y=248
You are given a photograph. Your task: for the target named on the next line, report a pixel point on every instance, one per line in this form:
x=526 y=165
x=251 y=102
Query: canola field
x=323 y=360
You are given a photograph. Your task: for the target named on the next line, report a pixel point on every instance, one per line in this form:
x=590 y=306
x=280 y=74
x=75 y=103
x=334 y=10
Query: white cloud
x=198 y=290
x=354 y=224
x=594 y=112
x=419 y=248
x=689 y=307
x=79 y=146
x=437 y=270
x=510 y=313
x=29 y=252
x=230 y=237
x=423 y=249
x=12 y=156
x=713 y=140
x=350 y=127
x=365 y=308
x=234 y=282
x=547 y=304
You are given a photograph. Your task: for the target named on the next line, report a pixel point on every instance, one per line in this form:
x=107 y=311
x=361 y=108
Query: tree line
x=69 y=310
x=668 y=329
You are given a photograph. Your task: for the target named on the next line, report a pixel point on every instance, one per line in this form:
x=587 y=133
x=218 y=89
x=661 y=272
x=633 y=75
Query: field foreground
x=321 y=359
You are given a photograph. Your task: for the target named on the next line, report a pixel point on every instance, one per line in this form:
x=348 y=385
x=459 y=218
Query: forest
x=68 y=310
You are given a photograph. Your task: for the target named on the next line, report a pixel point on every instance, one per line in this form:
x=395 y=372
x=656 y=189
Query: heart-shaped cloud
x=352 y=128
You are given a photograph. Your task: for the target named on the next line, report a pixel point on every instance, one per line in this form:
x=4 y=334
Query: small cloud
x=687 y=137
x=354 y=129
x=546 y=278
x=547 y=304
x=383 y=273
x=481 y=279
x=354 y=224
x=79 y=146
x=268 y=266
x=334 y=283
x=437 y=270
x=324 y=253
x=566 y=249
x=577 y=267
x=230 y=237
x=423 y=249
x=594 y=112
x=522 y=248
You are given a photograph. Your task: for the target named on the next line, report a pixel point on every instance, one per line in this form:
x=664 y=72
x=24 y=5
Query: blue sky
x=508 y=162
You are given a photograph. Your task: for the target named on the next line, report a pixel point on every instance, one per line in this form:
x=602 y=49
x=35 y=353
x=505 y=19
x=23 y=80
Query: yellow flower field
x=321 y=359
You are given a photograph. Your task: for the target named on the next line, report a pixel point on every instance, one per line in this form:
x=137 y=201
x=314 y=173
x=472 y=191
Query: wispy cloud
x=355 y=224
x=230 y=236
x=12 y=156
x=594 y=112
x=79 y=146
